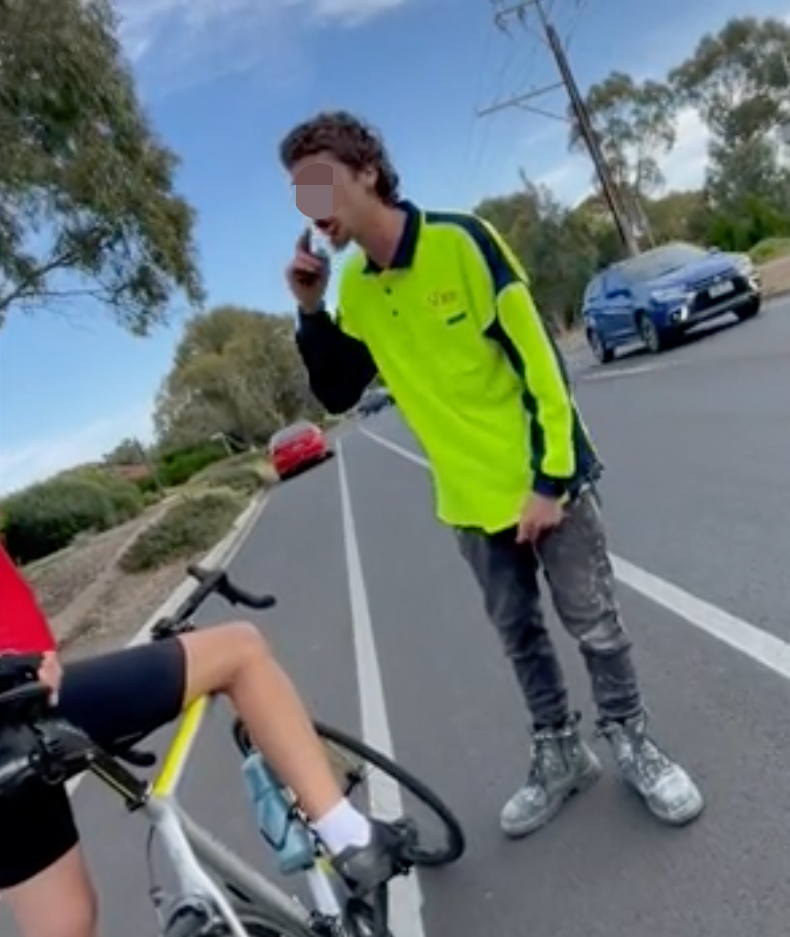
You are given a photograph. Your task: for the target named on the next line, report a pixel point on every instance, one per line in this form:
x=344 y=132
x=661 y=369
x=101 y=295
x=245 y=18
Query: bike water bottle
x=283 y=831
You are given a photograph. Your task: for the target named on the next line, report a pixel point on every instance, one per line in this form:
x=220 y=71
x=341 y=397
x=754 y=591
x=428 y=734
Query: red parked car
x=297 y=447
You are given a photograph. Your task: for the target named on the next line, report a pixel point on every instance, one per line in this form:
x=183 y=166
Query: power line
x=574 y=24
x=519 y=11
x=477 y=147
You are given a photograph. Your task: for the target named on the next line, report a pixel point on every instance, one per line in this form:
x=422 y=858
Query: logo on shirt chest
x=446 y=303
x=441 y=298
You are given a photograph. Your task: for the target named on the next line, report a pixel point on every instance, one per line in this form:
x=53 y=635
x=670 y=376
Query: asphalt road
x=697 y=444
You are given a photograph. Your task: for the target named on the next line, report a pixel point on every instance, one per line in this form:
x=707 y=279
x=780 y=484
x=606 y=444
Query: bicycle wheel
x=353 y=761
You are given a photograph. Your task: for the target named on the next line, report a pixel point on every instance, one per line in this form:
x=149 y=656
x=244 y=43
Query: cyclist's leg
x=140 y=689
x=235 y=660
x=43 y=876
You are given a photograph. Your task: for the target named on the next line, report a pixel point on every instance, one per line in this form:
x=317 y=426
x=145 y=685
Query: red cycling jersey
x=23 y=627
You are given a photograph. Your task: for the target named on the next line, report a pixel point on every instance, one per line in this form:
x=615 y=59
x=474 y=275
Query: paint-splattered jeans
x=579 y=573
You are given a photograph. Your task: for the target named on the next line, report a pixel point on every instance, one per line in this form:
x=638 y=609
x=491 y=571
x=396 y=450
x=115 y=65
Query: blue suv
x=663 y=293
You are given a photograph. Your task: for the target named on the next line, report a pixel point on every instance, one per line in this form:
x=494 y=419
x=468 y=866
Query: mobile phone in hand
x=306 y=244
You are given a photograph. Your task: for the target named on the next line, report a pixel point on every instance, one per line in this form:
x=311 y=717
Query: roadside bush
x=146 y=485
x=176 y=467
x=46 y=517
x=246 y=478
x=190 y=526
x=127 y=499
x=250 y=457
x=770 y=249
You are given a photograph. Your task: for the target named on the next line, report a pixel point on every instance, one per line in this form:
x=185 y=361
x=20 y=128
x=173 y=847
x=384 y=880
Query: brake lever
x=167 y=628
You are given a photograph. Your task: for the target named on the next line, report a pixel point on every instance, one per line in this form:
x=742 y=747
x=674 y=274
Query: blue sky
x=223 y=81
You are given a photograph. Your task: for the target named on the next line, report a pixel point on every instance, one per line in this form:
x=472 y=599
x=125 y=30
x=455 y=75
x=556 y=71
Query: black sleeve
x=339 y=367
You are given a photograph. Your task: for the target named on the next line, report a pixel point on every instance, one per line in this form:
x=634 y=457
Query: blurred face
x=335 y=198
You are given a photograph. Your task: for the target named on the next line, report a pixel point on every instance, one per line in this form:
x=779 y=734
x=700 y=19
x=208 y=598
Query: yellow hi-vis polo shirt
x=454 y=332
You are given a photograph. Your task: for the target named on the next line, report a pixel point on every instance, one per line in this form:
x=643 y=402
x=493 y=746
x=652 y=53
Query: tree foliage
x=128 y=452
x=46 y=517
x=235 y=371
x=87 y=203
x=680 y=216
x=738 y=80
x=635 y=124
x=554 y=245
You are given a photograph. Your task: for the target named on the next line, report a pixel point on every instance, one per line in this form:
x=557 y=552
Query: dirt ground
x=92 y=605
x=776 y=276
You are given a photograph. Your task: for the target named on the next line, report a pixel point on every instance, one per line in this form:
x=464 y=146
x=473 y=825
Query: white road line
x=753 y=642
x=394 y=447
x=406 y=900
x=626 y=372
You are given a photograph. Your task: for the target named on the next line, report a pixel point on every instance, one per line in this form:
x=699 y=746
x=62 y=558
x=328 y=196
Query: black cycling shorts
x=111 y=697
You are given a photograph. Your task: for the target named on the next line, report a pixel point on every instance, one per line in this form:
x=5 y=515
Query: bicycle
x=217 y=894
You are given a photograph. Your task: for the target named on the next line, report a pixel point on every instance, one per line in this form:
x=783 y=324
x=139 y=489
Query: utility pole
x=608 y=185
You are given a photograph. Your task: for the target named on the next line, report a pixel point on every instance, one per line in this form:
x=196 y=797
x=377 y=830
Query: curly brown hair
x=349 y=140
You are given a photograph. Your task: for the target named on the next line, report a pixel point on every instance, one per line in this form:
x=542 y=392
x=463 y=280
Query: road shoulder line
x=406 y=896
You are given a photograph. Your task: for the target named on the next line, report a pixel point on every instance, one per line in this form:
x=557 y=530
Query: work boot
x=666 y=788
x=365 y=868
x=561 y=765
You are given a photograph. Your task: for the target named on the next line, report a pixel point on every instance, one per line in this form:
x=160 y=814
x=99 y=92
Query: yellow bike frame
x=175 y=759
x=179 y=750
x=210 y=877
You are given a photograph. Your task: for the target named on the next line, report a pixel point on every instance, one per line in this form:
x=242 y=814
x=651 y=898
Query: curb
x=230 y=544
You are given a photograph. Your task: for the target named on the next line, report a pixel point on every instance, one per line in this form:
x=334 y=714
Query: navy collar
x=407 y=246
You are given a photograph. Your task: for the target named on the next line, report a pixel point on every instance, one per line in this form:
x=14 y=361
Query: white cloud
x=178 y=43
x=684 y=168
x=569 y=180
x=37 y=459
x=561 y=176
x=352 y=12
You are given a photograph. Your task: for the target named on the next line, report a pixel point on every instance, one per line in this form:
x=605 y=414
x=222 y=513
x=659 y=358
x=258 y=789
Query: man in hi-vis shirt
x=438 y=305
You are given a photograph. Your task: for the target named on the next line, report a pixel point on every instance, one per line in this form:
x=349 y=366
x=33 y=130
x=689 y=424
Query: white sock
x=342 y=827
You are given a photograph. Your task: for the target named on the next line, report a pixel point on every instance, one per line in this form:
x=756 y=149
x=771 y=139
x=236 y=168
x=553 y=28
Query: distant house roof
x=130 y=472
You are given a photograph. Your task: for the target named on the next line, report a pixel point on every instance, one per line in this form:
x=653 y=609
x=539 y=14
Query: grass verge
x=246 y=474
x=770 y=249
x=194 y=523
